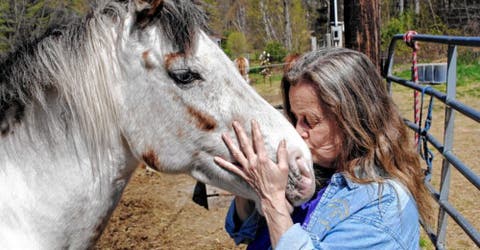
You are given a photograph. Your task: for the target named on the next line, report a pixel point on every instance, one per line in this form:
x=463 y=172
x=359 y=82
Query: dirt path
x=156 y=212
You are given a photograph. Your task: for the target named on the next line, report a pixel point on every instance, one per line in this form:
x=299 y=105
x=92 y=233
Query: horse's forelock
x=180 y=20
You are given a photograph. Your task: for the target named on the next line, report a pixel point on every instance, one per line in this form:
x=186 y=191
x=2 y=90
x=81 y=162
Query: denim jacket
x=349 y=216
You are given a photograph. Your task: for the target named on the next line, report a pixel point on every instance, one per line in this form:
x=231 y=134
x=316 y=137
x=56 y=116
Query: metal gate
x=451 y=106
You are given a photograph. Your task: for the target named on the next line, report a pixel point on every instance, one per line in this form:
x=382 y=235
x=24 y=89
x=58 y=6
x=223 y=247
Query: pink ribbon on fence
x=416 y=102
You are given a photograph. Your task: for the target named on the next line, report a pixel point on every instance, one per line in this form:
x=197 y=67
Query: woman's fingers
x=235 y=151
x=282 y=155
x=258 y=142
x=230 y=167
x=243 y=140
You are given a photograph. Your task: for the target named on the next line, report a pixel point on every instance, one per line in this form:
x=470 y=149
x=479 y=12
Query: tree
x=237 y=15
x=24 y=20
x=288 y=24
x=300 y=27
x=362 y=28
x=212 y=10
x=269 y=31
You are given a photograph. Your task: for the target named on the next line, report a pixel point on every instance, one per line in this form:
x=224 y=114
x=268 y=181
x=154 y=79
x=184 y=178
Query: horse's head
x=180 y=92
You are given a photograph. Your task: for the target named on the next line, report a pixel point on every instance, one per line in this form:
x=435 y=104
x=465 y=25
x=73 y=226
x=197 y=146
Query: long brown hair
x=376 y=145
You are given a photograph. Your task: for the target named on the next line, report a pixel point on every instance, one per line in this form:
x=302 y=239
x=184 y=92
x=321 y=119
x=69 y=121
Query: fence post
x=448 y=143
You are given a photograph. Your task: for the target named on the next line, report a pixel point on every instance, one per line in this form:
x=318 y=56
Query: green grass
x=425 y=243
x=468 y=79
x=468 y=74
x=258 y=79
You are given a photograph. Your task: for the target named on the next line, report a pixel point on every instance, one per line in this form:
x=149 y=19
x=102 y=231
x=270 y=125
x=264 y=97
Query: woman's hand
x=267 y=178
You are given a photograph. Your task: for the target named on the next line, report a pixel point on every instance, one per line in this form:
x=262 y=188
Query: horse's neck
x=51 y=196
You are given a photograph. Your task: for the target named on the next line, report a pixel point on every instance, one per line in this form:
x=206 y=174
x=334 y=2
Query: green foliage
x=214 y=18
x=300 y=30
x=468 y=55
x=396 y=25
x=24 y=20
x=276 y=50
x=236 y=44
x=5 y=28
x=423 y=23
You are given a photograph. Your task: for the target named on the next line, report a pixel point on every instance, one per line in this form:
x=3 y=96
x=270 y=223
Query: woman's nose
x=301 y=130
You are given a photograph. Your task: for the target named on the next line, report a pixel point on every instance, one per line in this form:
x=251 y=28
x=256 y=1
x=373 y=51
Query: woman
x=341 y=108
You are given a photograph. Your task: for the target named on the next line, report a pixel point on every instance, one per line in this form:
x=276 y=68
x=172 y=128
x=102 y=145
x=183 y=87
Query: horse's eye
x=184 y=76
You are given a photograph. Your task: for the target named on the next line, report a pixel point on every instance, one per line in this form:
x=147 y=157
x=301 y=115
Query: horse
x=132 y=82
x=243 y=67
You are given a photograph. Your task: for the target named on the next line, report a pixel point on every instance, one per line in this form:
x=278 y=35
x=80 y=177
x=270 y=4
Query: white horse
x=133 y=81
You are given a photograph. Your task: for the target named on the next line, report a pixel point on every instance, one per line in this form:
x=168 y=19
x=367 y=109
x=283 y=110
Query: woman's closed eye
x=302 y=121
x=306 y=122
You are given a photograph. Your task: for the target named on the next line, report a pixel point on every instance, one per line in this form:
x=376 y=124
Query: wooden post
x=362 y=28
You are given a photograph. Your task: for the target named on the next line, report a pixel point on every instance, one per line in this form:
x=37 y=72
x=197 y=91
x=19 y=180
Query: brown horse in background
x=243 y=67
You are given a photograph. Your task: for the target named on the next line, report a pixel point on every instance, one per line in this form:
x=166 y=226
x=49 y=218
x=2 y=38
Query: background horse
x=243 y=67
x=132 y=82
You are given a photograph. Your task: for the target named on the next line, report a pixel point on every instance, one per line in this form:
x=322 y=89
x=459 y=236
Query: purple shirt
x=300 y=214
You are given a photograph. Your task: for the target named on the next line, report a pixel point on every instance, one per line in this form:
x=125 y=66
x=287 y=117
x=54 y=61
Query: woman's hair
x=375 y=143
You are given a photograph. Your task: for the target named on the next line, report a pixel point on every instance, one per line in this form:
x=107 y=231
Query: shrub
x=236 y=44
x=276 y=50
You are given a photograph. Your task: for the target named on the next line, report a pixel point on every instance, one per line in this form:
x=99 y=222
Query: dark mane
x=22 y=73
x=18 y=76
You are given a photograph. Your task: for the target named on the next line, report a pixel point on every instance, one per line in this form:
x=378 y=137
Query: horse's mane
x=75 y=60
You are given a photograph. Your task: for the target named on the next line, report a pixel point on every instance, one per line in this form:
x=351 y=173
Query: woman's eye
x=184 y=76
x=306 y=122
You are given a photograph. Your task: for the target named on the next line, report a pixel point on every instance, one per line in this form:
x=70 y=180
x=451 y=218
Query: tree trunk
x=362 y=28
x=241 y=22
x=417 y=7
x=269 y=31
x=288 y=25
x=401 y=7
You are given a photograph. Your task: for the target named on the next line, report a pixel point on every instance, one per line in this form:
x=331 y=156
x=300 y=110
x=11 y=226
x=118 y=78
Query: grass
x=468 y=79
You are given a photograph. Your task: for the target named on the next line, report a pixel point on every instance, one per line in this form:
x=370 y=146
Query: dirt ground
x=156 y=210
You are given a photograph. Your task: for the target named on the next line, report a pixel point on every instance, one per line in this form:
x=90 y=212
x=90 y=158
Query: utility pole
x=336 y=27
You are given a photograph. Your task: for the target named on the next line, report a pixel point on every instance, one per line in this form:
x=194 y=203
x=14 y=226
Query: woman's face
x=314 y=125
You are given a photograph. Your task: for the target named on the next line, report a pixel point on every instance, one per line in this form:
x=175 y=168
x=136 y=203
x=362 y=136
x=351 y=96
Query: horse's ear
x=147 y=11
